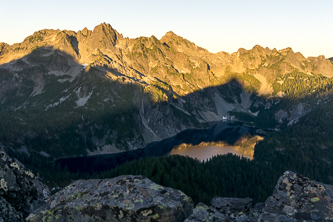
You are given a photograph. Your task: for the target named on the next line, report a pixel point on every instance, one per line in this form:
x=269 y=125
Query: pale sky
x=216 y=25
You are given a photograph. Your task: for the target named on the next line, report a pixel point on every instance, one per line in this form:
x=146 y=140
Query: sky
x=216 y=25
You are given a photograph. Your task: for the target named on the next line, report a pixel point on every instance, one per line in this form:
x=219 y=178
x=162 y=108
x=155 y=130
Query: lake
x=226 y=132
x=204 y=152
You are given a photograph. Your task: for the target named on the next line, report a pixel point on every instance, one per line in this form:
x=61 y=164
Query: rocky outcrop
x=204 y=213
x=136 y=198
x=21 y=191
x=125 y=198
x=228 y=205
x=8 y=213
x=295 y=198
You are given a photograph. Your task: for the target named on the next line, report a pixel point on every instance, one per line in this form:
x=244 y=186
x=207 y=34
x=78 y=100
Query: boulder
x=8 y=213
x=297 y=198
x=204 y=213
x=21 y=191
x=124 y=198
x=231 y=205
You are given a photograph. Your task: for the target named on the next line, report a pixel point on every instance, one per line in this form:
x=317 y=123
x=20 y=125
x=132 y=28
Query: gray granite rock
x=228 y=205
x=297 y=198
x=19 y=187
x=204 y=213
x=125 y=198
x=8 y=213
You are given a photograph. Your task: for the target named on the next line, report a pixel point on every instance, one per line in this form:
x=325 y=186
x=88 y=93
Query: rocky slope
x=125 y=198
x=21 y=191
x=71 y=93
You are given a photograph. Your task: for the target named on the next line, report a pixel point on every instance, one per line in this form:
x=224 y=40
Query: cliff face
x=111 y=93
x=295 y=198
x=21 y=191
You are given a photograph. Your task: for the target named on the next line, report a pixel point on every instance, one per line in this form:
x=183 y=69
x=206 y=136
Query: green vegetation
x=228 y=175
x=34 y=48
x=36 y=38
x=52 y=121
x=297 y=85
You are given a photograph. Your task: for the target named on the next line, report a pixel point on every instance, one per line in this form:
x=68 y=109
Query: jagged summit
x=56 y=70
x=182 y=44
x=169 y=33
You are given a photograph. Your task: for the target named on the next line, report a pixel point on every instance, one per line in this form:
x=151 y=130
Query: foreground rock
x=295 y=198
x=8 y=213
x=21 y=191
x=135 y=198
x=125 y=198
x=204 y=213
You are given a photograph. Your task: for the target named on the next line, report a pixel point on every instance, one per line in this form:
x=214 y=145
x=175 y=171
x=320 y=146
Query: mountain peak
x=170 y=35
x=103 y=25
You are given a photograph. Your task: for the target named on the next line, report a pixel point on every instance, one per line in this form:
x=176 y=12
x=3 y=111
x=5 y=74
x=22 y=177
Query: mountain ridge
x=162 y=86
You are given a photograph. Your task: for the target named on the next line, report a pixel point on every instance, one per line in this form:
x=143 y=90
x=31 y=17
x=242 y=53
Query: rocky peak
x=286 y=51
x=169 y=35
x=85 y=31
x=105 y=34
x=181 y=44
x=322 y=65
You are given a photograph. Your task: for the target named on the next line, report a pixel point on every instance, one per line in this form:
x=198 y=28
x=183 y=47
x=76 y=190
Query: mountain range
x=66 y=93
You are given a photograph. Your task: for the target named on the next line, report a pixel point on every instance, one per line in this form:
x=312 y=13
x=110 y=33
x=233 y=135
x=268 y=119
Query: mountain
x=66 y=93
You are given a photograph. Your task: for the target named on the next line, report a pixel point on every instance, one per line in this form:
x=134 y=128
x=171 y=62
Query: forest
x=304 y=147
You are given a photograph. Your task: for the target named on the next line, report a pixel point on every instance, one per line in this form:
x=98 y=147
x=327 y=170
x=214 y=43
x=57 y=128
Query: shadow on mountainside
x=54 y=107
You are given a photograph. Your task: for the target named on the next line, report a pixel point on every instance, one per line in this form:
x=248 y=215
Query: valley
x=96 y=104
x=110 y=93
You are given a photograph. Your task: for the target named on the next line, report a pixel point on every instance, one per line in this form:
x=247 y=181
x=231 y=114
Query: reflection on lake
x=203 y=152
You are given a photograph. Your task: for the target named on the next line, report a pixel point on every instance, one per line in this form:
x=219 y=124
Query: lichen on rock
x=3 y=185
x=125 y=198
x=21 y=191
x=14 y=165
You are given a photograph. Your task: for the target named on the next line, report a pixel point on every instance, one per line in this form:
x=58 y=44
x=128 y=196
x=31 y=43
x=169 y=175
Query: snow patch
x=57 y=103
x=43 y=153
x=292 y=122
x=82 y=100
x=254 y=114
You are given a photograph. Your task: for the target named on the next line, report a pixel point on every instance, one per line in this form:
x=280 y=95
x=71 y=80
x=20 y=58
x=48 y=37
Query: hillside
x=66 y=93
